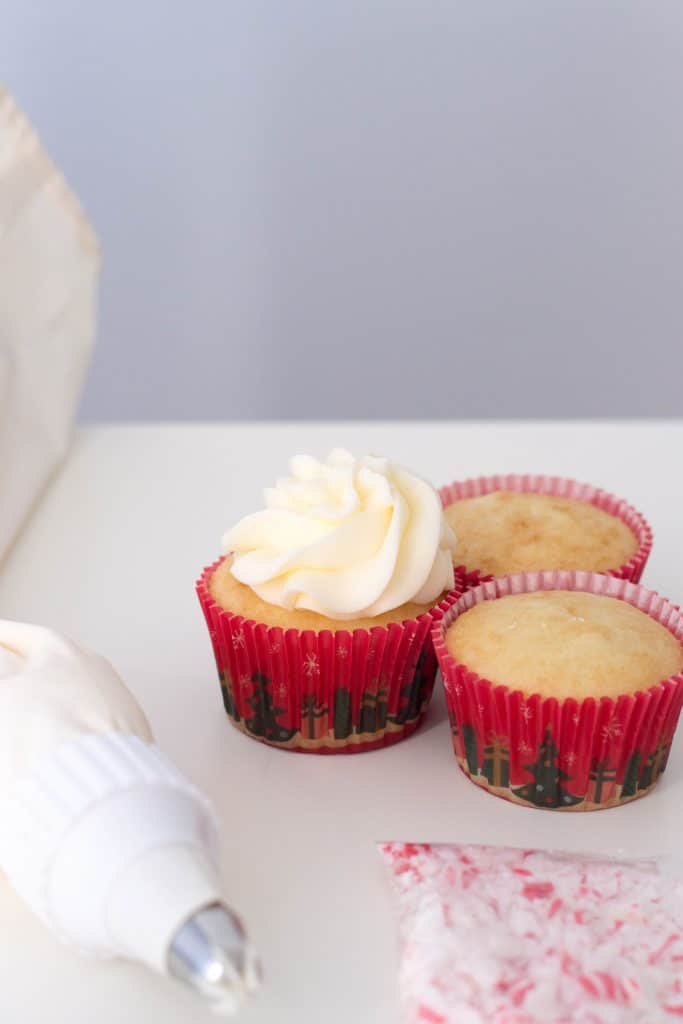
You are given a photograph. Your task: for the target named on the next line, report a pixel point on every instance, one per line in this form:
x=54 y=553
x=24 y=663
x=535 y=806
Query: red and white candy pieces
x=503 y=936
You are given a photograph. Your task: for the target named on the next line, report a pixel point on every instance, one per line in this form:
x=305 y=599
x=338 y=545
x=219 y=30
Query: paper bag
x=49 y=264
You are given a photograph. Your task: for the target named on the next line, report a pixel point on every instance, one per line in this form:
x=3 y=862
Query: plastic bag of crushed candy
x=494 y=935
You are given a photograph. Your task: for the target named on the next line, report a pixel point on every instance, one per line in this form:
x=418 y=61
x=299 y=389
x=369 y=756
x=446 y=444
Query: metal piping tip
x=211 y=954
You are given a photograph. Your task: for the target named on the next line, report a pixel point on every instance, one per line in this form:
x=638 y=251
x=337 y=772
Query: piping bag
x=102 y=836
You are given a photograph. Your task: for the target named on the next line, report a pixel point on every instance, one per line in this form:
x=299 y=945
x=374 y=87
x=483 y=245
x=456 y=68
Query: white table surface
x=110 y=556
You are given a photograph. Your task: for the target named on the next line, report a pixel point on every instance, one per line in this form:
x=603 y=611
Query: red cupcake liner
x=558 y=487
x=339 y=692
x=560 y=754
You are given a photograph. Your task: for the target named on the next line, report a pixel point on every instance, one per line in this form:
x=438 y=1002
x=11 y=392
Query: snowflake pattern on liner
x=280 y=690
x=612 y=730
x=311 y=665
x=503 y=936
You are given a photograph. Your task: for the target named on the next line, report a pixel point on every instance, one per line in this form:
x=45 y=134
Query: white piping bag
x=101 y=835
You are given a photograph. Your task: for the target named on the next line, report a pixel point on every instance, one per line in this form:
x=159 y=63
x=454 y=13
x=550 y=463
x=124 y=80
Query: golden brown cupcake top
x=507 y=532
x=240 y=599
x=562 y=643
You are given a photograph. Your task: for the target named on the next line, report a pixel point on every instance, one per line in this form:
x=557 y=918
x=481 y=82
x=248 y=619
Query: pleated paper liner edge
x=323 y=693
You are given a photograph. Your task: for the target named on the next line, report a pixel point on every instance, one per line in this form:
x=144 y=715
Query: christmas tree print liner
x=560 y=754
x=323 y=693
x=558 y=487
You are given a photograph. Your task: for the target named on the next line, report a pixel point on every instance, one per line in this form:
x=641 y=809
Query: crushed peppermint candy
x=493 y=935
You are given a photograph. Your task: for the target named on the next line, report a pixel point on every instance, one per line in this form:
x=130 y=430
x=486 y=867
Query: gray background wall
x=316 y=208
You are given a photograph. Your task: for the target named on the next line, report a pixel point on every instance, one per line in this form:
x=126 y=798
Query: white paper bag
x=49 y=264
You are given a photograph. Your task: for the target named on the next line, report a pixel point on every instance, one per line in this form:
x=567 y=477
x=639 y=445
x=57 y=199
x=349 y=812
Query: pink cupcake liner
x=336 y=692
x=558 y=487
x=560 y=754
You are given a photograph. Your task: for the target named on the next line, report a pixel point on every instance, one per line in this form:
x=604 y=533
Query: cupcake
x=510 y=524
x=320 y=609
x=563 y=688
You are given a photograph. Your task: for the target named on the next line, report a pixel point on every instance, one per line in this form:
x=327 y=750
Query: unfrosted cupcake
x=320 y=610
x=564 y=689
x=510 y=524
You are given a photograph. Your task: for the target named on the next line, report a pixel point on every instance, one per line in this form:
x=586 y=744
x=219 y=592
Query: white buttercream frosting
x=346 y=538
x=51 y=692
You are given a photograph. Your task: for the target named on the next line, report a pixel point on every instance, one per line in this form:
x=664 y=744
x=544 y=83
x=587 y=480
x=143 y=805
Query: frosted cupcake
x=564 y=689
x=510 y=524
x=320 y=609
